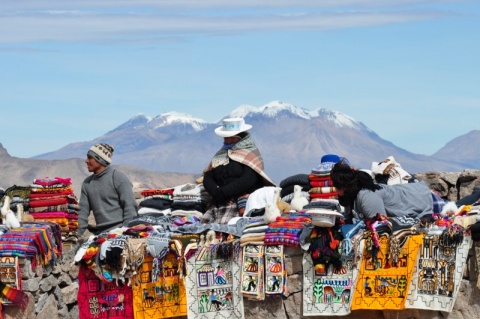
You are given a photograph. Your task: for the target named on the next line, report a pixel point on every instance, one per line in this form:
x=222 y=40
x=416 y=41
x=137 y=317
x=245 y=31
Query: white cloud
x=150 y=21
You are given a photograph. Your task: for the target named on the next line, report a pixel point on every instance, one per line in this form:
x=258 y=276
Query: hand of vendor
x=218 y=197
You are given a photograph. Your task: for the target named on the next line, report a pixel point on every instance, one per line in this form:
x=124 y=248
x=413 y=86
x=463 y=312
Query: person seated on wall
x=237 y=169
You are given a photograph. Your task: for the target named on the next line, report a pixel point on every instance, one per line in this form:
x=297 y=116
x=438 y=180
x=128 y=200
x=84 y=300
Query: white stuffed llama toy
x=8 y=217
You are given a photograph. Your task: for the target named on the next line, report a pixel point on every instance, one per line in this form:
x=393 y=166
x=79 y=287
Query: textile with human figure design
x=275 y=272
x=97 y=299
x=212 y=283
x=158 y=289
x=10 y=275
x=253 y=272
x=438 y=273
x=385 y=273
x=329 y=293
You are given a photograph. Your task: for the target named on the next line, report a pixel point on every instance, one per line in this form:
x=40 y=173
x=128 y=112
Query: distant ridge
x=464 y=150
x=291 y=139
x=22 y=172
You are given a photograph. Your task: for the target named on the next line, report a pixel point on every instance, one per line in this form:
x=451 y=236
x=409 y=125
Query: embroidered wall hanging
x=275 y=273
x=385 y=273
x=10 y=275
x=97 y=299
x=438 y=274
x=253 y=270
x=158 y=289
x=212 y=285
x=330 y=293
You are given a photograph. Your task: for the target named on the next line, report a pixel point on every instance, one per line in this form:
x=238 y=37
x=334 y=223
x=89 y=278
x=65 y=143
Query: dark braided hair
x=351 y=181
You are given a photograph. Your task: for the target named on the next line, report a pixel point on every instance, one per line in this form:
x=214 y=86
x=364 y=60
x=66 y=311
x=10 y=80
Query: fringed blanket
x=245 y=152
x=286 y=230
x=438 y=273
x=212 y=283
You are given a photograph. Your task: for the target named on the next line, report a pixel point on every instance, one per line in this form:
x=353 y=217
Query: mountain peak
x=243 y=110
x=3 y=151
x=338 y=119
x=271 y=109
x=274 y=108
x=171 y=118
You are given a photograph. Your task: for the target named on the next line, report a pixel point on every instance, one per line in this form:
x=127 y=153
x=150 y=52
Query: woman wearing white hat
x=235 y=170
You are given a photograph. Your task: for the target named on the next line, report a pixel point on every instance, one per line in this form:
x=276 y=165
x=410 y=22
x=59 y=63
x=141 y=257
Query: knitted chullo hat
x=102 y=153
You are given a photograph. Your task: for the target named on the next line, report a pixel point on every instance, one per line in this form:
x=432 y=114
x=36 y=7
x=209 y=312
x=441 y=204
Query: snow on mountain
x=337 y=118
x=182 y=143
x=243 y=110
x=274 y=108
x=271 y=109
x=171 y=118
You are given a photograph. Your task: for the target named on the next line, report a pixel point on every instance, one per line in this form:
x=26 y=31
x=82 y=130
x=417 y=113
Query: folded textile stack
x=320 y=181
x=53 y=200
x=322 y=187
x=289 y=183
x=254 y=232
x=40 y=242
x=189 y=200
x=156 y=201
x=286 y=230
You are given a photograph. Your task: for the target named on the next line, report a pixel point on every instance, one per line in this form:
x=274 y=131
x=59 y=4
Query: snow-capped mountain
x=292 y=140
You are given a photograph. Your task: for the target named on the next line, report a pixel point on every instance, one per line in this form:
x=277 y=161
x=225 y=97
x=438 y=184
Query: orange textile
x=383 y=280
x=158 y=289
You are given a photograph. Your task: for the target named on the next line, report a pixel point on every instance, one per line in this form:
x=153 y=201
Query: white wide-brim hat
x=323 y=217
x=232 y=126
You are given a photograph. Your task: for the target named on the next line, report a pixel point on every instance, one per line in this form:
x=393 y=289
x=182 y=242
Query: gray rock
x=64 y=279
x=40 y=302
x=48 y=283
x=70 y=293
x=50 y=309
x=31 y=285
x=272 y=308
x=26 y=268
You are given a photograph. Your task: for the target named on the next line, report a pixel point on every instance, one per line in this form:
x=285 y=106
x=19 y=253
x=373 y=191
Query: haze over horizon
x=72 y=71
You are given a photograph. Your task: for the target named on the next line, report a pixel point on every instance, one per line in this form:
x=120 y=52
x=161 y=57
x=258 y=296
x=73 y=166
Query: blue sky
x=73 y=70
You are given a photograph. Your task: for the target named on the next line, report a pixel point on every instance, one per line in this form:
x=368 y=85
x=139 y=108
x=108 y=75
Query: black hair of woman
x=350 y=181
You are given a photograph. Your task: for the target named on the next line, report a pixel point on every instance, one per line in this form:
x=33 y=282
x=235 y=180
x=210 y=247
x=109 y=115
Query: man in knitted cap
x=108 y=193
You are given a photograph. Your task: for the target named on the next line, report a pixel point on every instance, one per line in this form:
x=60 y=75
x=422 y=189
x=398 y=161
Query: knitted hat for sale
x=326 y=164
x=102 y=153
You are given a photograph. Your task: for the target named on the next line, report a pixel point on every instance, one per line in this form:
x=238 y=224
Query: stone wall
x=53 y=289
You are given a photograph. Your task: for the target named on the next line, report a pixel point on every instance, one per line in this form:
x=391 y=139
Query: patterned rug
x=438 y=274
x=213 y=285
x=385 y=274
x=158 y=289
x=97 y=299
x=329 y=294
